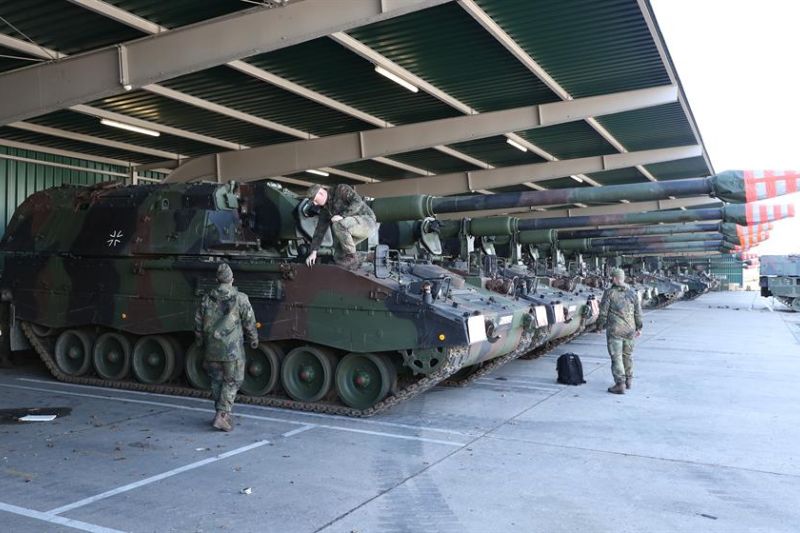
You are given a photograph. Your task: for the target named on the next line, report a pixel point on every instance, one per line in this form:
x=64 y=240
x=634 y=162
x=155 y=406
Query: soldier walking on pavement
x=351 y=221
x=222 y=320
x=621 y=316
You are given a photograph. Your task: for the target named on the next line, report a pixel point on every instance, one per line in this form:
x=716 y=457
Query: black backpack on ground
x=570 y=369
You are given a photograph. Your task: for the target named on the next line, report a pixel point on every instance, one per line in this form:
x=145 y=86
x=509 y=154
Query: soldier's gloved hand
x=336 y=218
x=254 y=345
x=638 y=332
x=311 y=259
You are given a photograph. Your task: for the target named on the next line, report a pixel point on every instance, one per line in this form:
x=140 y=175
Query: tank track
x=527 y=340
x=548 y=346
x=44 y=348
x=552 y=345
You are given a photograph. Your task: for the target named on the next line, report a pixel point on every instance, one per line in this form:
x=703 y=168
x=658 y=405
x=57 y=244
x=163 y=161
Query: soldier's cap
x=224 y=273
x=618 y=273
x=313 y=190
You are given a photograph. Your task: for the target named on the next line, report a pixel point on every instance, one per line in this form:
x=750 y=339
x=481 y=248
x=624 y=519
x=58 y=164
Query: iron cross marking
x=114 y=238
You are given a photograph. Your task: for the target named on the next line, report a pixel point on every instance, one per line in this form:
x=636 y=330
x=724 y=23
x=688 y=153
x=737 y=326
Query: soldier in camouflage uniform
x=224 y=317
x=621 y=316
x=351 y=221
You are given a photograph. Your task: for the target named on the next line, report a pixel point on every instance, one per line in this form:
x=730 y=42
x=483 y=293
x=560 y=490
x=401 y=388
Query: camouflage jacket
x=342 y=201
x=620 y=312
x=223 y=318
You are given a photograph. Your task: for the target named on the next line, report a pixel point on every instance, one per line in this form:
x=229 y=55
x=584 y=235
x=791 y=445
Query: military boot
x=628 y=382
x=618 y=388
x=217 y=420
x=228 y=420
x=223 y=421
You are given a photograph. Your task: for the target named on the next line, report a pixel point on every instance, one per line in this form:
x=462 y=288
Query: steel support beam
x=91 y=139
x=287 y=158
x=65 y=153
x=63 y=165
x=29 y=48
x=47 y=87
x=463 y=182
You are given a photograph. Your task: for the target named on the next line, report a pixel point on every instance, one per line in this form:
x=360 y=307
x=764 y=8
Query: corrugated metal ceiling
x=228 y=87
x=62 y=26
x=326 y=67
x=446 y=47
x=175 y=13
x=589 y=47
x=13 y=134
x=88 y=125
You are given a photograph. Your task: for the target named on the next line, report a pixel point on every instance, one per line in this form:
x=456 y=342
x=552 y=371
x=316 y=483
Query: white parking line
x=240 y=415
x=267 y=408
x=297 y=431
x=53 y=519
x=393 y=435
x=527 y=383
x=153 y=479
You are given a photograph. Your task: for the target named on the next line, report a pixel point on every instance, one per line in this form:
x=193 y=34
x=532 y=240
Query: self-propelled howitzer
x=104 y=283
x=466 y=247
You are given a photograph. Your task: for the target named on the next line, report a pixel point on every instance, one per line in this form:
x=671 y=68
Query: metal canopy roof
x=466 y=57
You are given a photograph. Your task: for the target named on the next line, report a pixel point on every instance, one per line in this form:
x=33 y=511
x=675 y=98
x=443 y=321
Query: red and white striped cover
x=763 y=184
x=758 y=214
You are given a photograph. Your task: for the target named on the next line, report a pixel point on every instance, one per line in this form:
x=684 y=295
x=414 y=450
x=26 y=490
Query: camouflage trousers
x=226 y=378
x=350 y=231
x=621 y=352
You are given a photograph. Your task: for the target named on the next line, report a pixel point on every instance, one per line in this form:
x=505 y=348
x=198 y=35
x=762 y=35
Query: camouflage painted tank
x=779 y=276
x=445 y=244
x=479 y=249
x=104 y=282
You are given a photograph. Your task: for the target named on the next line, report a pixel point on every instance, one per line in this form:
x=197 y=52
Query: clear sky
x=739 y=63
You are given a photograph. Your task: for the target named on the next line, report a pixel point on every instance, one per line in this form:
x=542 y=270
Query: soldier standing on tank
x=621 y=317
x=351 y=221
x=222 y=320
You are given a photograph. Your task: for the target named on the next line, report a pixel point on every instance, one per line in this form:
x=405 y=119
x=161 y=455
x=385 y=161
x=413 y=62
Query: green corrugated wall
x=726 y=267
x=19 y=179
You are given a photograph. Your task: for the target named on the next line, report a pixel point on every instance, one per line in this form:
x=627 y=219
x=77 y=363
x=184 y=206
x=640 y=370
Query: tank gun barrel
x=743 y=214
x=659 y=229
x=669 y=247
x=572 y=244
x=730 y=186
